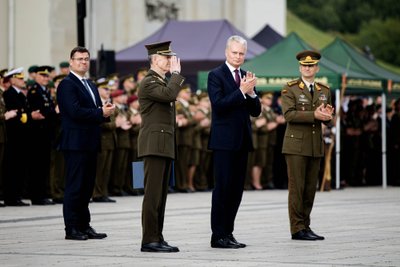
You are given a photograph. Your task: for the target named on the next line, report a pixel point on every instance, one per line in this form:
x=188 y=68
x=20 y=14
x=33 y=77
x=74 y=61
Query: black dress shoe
x=318 y=237
x=16 y=203
x=158 y=247
x=165 y=243
x=75 y=234
x=103 y=199
x=233 y=239
x=303 y=235
x=42 y=202
x=224 y=242
x=2 y=205
x=92 y=234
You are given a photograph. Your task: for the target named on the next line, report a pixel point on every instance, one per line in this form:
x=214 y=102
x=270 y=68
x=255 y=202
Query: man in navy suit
x=82 y=113
x=233 y=100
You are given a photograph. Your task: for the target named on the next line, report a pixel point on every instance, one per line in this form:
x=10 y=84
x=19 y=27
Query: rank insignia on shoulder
x=319 y=85
x=291 y=83
x=284 y=91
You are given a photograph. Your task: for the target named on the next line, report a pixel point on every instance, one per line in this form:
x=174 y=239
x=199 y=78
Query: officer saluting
x=305 y=104
x=156 y=140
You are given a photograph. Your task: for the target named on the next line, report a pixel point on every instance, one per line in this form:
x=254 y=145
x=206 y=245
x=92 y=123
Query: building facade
x=38 y=32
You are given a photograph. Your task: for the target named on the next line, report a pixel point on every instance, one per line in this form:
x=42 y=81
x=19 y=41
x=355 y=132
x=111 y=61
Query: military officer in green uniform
x=305 y=105
x=156 y=140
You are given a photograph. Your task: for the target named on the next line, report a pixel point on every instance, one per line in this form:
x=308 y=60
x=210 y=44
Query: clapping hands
x=324 y=113
x=247 y=83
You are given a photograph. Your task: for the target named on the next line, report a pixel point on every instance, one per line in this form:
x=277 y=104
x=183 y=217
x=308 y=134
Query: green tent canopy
x=278 y=65
x=343 y=54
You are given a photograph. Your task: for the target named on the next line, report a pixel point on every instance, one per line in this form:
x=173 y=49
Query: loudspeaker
x=105 y=63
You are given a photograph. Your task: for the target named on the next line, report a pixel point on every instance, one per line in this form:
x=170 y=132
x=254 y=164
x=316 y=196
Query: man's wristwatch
x=175 y=72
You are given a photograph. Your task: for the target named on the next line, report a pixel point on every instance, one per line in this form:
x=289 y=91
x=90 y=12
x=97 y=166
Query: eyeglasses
x=81 y=59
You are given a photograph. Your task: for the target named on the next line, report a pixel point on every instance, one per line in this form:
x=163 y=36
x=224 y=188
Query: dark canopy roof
x=199 y=44
x=267 y=37
x=192 y=41
x=347 y=56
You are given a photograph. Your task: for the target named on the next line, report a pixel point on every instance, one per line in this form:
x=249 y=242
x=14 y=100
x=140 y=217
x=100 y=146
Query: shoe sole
x=158 y=251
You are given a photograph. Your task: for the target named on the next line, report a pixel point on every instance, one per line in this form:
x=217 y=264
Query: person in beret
x=64 y=68
x=306 y=104
x=156 y=140
x=106 y=153
x=15 y=173
x=127 y=83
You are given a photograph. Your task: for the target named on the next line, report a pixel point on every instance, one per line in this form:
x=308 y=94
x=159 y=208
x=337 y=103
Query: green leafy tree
x=383 y=38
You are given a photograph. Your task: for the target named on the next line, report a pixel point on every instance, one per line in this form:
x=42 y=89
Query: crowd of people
x=32 y=167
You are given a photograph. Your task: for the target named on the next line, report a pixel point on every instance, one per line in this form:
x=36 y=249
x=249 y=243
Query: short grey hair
x=236 y=38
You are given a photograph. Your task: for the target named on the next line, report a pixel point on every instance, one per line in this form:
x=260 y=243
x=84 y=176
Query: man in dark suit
x=233 y=101
x=82 y=112
x=305 y=105
x=156 y=140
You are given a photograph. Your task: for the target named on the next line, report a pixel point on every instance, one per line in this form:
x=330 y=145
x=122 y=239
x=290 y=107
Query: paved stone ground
x=361 y=226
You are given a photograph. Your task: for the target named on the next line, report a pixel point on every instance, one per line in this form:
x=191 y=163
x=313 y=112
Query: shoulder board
x=291 y=83
x=158 y=78
x=322 y=85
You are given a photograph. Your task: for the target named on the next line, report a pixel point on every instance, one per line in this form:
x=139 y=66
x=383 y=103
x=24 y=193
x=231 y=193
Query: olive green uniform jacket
x=303 y=134
x=157 y=108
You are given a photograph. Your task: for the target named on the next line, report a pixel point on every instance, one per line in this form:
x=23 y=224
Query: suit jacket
x=81 y=116
x=230 y=123
x=157 y=108
x=303 y=134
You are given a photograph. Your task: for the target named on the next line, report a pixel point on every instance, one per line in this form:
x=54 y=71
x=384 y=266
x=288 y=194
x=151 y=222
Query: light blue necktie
x=85 y=83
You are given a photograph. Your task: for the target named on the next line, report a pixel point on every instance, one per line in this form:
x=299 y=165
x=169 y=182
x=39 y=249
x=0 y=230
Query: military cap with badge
x=44 y=70
x=308 y=57
x=162 y=48
x=18 y=73
x=15 y=73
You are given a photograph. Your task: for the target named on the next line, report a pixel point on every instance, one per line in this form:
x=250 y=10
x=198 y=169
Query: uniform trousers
x=79 y=183
x=230 y=172
x=157 y=172
x=303 y=177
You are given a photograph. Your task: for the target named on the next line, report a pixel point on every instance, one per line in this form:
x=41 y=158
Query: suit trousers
x=303 y=177
x=157 y=172
x=230 y=172
x=80 y=177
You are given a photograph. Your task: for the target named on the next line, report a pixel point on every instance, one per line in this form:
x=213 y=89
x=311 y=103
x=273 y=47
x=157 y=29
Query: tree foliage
x=373 y=23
